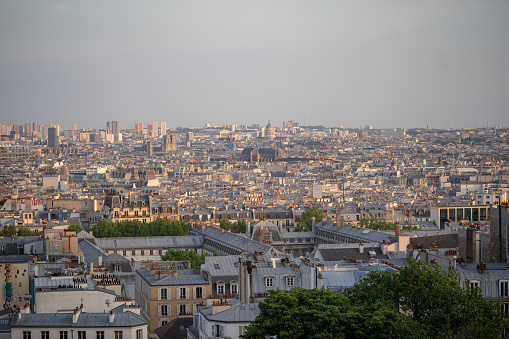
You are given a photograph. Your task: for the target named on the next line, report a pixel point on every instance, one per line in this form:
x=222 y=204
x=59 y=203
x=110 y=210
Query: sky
x=406 y=64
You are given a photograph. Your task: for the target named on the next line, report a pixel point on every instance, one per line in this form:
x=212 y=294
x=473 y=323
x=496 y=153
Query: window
x=99 y=335
x=234 y=288
x=125 y=213
x=268 y=282
x=504 y=288
x=183 y=309
x=163 y=294
x=44 y=334
x=133 y=252
x=160 y=252
x=139 y=334
x=242 y=330
x=289 y=281
x=118 y=334
x=474 y=284
x=124 y=253
x=142 y=252
x=82 y=335
x=183 y=293
x=63 y=334
x=27 y=335
x=198 y=293
x=217 y=331
x=220 y=288
x=151 y=252
x=164 y=310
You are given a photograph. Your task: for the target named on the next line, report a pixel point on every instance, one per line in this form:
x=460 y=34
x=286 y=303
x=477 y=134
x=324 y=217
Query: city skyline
x=388 y=65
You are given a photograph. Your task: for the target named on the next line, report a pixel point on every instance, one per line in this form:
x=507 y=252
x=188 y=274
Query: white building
x=227 y=320
x=80 y=325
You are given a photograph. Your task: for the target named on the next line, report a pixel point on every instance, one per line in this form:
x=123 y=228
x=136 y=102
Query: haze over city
x=390 y=64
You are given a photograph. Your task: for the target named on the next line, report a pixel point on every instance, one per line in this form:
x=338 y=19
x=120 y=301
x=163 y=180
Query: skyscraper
x=109 y=127
x=115 y=127
x=155 y=129
x=163 y=129
x=52 y=137
x=139 y=127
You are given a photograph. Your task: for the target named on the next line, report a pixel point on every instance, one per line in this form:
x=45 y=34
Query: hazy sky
x=350 y=63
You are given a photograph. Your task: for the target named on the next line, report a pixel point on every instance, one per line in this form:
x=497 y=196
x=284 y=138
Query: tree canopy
x=11 y=230
x=75 y=228
x=422 y=301
x=181 y=255
x=134 y=228
x=238 y=226
x=306 y=222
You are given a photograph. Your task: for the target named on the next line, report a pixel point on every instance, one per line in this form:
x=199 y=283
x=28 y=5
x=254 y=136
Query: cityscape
x=254 y=169
x=182 y=232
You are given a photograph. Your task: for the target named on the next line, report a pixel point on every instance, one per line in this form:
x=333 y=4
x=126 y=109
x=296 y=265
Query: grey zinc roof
x=91 y=252
x=129 y=290
x=299 y=235
x=115 y=258
x=84 y=235
x=233 y=240
x=360 y=233
x=240 y=313
x=62 y=320
x=185 y=241
x=225 y=265
x=188 y=277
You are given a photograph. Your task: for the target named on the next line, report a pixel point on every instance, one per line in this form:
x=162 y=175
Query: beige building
x=14 y=271
x=167 y=290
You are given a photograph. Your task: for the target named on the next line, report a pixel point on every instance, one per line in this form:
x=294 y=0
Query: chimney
x=91 y=268
x=100 y=260
x=384 y=247
x=112 y=316
x=409 y=251
x=361 y=247
x=76 y=314
x=398 y=230
x=248 y=228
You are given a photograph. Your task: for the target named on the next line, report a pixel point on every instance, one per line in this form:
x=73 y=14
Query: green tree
x=306 y=222
x=433 y=298
x=135 y=228
x=9 y=231
x=318 y=313
x=26 y=232
x=422 y=301
x=75 y=228
x=181 y=255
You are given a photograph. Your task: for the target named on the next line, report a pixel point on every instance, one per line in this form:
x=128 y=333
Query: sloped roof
x=62 y=320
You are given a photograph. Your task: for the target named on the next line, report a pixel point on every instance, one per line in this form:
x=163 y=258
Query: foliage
x=375 y=224
x=318 y=313
x=238 y=226
x=180 y=255
x=10 y=230
x=433 y=298
x=75 y=228
x=306 y=222
x=422 y=301
x=135 y=228
x=25 y=232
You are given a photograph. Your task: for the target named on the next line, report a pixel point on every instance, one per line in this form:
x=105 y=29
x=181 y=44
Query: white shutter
x=187 y=293
x=213 y=330
x=158 y=294
x=159 y=310
x=168 y=294
x=178 y=292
